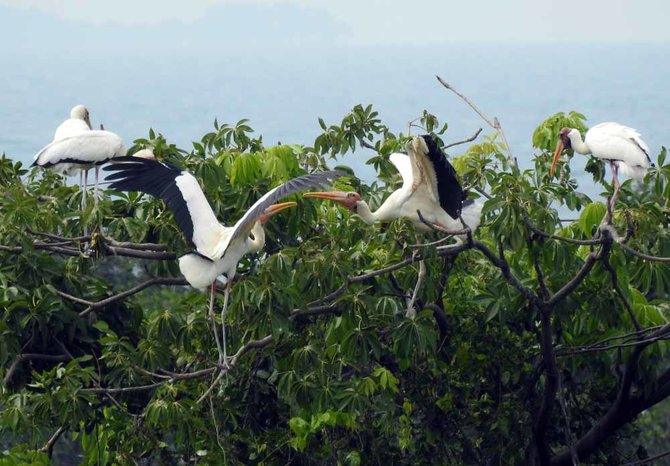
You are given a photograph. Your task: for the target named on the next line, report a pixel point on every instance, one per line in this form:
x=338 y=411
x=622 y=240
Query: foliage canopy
x=529 y=335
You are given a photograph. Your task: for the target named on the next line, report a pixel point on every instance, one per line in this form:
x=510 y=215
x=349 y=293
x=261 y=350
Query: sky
x=328 y=22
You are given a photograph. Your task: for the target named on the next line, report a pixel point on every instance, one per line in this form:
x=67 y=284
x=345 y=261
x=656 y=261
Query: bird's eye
x=350 y=195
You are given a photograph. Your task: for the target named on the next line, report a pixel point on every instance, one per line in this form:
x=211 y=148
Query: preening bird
x=620 y=146
x=218 y=248
x=430 y=186
x=79 y=121
x=77 y=147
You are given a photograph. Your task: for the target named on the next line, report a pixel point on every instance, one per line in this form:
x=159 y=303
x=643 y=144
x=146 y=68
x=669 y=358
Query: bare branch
x=642 y=255
x=495 y=123
x=590 y=261
x=124 y=294
x=470 y=139
x=648 y=460
x=491 y=123
x=253 y=344
x=544 y=234
x=48 y=447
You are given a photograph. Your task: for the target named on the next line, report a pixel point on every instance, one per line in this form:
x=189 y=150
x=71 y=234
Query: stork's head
x=563 y=143
x=80 y=112
x=348 y=199
x=275 y=209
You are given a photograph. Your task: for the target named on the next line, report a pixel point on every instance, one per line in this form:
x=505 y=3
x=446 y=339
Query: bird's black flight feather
x=448 y=187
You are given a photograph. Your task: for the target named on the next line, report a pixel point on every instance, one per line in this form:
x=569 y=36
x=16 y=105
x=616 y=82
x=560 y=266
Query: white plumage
x=430 y=185
x=620 y=146
x=79 y=121
x=218 y=248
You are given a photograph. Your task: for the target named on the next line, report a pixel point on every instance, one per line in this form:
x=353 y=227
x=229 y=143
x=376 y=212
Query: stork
x=620 y=146
x=77 y=147
x=430 y=186
x=217 y=248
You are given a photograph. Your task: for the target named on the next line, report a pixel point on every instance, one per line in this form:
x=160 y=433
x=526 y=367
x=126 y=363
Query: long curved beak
x=337 y=196
x=275 y=209
x=557 y=155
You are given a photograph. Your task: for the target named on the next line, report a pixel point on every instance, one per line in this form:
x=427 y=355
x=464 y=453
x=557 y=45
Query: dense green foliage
x=346 y=378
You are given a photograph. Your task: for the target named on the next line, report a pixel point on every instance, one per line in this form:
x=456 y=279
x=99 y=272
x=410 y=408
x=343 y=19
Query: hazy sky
x=389 y=22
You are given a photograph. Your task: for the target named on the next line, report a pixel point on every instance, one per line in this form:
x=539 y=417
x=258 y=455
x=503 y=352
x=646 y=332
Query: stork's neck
x=577 y=143
x=256 y=239
x=364 y=212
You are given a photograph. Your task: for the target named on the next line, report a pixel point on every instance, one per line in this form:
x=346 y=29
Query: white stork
x=430 y=185
x=79 y=121
x=218 y=248
x=620 y=146
x=77 y=147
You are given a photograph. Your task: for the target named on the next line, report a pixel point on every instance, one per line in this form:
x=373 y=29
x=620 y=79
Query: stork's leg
x=411 y=312
x=84 y=190
x=213 y=320
x=615 y=180
x=226 y=293
x=95 y=190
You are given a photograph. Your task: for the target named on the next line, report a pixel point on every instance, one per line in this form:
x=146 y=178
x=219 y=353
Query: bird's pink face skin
x=275 y=209
x=346 y=199
x=562 y=144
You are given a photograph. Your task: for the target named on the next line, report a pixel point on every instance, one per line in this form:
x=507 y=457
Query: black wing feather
x=448 y=187
x=155 y=178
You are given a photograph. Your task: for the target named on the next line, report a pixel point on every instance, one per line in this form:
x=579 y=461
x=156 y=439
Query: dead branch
x=470 y=139
x=494 y=123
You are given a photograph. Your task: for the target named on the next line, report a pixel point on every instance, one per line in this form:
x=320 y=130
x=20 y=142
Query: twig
x=544 y=234
x=470 y=139
x=643 y=255
x=124 y=294
x=647 y=460
x=495 y=123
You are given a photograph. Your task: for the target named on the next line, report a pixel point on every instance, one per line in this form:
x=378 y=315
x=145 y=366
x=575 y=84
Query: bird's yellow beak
x=347 y=199
x=275 y=209
x=557 y=155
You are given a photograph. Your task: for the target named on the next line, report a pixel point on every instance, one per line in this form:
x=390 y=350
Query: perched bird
x=77 y=147
x=620 y=146
x=79 y=121
x=430 y=186
x=218 y=248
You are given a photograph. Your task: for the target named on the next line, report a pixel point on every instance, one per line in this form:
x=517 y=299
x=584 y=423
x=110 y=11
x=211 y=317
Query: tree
x=538 y=340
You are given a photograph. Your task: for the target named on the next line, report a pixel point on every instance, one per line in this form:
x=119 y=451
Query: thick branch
x=623 y=409
x=48 y=447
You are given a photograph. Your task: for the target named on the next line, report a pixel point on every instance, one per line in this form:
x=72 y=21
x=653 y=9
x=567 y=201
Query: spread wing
x=180 y=191
x=244 y=225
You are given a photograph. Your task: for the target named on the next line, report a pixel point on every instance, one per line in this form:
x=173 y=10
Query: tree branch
x=494 y=123
x=470 y=139
x=93 y=305
x=29 y=357
x=48 y=447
